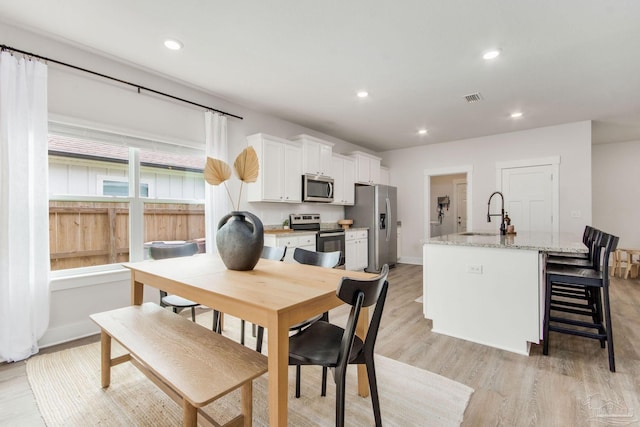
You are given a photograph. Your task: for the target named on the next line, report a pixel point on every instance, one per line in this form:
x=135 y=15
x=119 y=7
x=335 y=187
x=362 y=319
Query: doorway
x=447 y=200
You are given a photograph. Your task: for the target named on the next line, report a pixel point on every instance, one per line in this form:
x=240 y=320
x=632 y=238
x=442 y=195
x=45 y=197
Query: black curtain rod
x=33 y=55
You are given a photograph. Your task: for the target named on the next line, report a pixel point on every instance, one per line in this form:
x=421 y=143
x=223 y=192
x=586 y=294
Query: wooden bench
x=190 y=363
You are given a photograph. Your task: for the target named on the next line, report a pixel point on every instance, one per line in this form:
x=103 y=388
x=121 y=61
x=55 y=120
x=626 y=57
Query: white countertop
x=540 y=241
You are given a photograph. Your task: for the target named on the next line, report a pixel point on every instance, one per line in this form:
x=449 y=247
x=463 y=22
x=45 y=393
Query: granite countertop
x=540 y=241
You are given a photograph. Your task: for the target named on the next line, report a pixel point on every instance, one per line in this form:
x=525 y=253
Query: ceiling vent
x=473 y=97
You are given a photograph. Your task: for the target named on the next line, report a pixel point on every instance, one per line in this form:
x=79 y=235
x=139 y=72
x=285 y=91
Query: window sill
x=80 y=278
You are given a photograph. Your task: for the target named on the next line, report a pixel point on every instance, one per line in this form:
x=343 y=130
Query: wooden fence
x=83 y=234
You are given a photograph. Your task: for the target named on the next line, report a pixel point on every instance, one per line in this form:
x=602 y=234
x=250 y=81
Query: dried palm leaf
x=216 y=171
x=247 y=165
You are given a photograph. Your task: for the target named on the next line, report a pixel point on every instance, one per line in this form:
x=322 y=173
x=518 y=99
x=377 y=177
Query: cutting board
x=277 y=231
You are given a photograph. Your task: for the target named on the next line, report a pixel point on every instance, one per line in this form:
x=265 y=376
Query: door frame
x=452 y=170
x=554 y=162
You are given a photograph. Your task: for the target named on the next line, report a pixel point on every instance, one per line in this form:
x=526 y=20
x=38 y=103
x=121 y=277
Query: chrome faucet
x=503 y=227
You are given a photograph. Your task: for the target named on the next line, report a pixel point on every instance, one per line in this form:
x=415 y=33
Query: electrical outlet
x=576 y=214
x=474 y=268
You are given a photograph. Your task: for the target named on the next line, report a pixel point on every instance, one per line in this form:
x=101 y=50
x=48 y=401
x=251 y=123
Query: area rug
x=66 y=385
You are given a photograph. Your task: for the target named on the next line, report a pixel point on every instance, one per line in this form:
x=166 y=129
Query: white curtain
x=24 y=207
x=216 y=198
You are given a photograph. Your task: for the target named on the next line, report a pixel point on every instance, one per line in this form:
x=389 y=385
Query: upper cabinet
x=367 y=168
x=280 y=176
x=344 y=178
x=316 y=155
x=384 y=175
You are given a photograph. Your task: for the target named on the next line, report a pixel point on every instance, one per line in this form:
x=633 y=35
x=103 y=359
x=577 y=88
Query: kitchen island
x=488 y=288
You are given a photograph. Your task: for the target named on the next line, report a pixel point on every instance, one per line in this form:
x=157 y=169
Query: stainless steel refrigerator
x=375 y=208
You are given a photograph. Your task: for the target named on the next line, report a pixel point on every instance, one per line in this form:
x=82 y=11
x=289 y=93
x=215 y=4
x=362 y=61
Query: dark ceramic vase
x=240 y=239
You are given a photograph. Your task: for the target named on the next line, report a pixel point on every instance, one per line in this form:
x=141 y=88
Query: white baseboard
x=68 y=332
x=410 y=260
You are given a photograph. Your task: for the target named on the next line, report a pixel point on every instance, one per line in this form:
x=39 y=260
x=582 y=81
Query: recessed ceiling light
x=363 y=94
x=173 y=44
x=491 y=54
x=516 y=115
x=422 y=131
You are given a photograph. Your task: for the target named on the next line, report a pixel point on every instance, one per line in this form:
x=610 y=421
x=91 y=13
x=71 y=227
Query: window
x=110 y=186
x=93 y=218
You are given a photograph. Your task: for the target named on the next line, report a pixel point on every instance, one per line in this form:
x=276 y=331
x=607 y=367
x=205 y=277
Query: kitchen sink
x=475 y=233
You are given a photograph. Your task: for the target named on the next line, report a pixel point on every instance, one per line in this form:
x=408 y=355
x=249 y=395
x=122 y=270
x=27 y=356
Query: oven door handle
x=330 y=234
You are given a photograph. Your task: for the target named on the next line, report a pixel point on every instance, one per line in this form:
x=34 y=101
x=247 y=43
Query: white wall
x=572 y=142
x=616 y=191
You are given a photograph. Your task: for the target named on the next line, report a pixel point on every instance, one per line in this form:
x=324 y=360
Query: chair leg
x=373 y=388
x=193 y=314
x=323 y=392
x=340 y=397
x=242 y=322
x=297 y=381
x=607 y=315
x=259 y=339
x=598 y=318
x=216 y=322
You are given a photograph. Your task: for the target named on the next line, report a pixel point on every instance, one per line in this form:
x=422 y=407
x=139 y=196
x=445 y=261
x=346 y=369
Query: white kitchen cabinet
x=291 y=241
x=344 y=176
x=280 y=176
x=316 y=155
x=367 y=168
x=384 y=175
x=356 y=250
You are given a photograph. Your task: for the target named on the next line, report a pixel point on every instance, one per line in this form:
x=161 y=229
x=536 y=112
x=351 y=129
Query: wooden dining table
x=274 y=294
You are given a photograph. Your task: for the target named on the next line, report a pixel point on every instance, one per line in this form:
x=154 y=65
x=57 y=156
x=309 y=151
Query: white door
x=460 y=205
x=528 y=193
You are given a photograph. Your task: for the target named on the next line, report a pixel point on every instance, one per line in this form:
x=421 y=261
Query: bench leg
x=105 y=358
x=247 y=403
x=190 y=416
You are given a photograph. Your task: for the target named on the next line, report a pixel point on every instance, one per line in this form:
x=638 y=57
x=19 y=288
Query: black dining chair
x=589 y=238
x=319 y=259
x=573 y=291
x=331 y=346
x=159 y=250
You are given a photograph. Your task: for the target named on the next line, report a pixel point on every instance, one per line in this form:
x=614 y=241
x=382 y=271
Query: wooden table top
x=273 y=286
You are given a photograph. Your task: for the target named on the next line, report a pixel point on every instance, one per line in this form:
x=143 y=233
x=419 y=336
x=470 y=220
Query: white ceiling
x=304 y=60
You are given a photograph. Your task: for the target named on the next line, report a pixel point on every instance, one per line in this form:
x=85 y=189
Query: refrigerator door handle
x=389 y=217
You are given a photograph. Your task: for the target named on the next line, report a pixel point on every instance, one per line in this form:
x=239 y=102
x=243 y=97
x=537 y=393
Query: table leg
x=278 y=365
x=105 y=358
x=361 y=331
x=627 y=268
x=247 y=403
x=614 y=262
x=137 y=290
x=189 y=414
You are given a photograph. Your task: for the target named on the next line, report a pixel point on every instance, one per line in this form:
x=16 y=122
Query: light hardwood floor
x=570 y=387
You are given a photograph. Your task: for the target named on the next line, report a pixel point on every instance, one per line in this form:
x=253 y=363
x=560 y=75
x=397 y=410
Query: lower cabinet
x=307 y=242
x=356 y=250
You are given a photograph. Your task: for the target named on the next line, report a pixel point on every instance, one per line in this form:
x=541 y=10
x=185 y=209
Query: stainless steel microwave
x=317 y=188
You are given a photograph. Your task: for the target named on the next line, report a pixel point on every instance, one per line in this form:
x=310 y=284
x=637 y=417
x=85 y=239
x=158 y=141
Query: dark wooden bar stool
x=589 y=286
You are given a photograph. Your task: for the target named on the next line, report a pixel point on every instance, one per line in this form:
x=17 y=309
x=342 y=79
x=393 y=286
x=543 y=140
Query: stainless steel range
x=327 y=240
